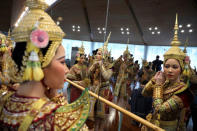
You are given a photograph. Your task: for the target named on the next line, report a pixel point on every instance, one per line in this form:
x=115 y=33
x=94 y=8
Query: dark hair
x=19 y=50
x=157 y=56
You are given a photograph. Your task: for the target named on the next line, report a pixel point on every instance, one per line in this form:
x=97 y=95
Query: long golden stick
x=135 y=117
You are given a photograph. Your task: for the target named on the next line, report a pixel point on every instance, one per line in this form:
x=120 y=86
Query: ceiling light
x=103 y=28
x=73 y=26
x=122 y=32
x=78 y=27
x=153 y=33
x=121 y=29
x=100 y=32
x=188 y=25
x=128 y=33
x=182 y=31
x=190 y=30
x=150 y=28
x=180 y=26
x=98 y=28
x=127 y=29
x=156 y=28
x=104 y=32
x=158 y=32
x=78 y=30
x=73 y=29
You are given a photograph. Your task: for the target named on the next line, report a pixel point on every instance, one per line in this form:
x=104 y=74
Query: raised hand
x=159 y=77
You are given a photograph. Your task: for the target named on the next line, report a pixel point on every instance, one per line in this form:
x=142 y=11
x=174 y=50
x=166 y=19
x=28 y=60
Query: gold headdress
x=3 y=46
x=175 y=52
x=104 y=49
x=10 y=42
x=126 y=52
x=39 y=19
x=144 y=63
x=185 y=46
x=80 y=52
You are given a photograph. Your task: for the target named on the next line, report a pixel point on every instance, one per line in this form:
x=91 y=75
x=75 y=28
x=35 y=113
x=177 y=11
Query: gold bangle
x=158 y=92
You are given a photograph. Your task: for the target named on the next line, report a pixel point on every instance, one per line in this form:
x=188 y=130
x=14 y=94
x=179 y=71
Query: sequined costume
x=35 y=32
x=125 y=74
x=170 y=99
x=51 y=116
x=100 y=75
x=78 y=74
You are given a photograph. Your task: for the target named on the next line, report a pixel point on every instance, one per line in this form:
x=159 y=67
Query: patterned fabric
x=51 y=116
x=77 y=74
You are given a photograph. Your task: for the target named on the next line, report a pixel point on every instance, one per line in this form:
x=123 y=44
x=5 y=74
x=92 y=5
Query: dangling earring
x=47 y=88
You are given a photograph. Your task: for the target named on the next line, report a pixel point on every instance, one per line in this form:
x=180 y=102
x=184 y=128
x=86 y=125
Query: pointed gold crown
x=2 y=38
x=10 y=42
x=144 y=63
x=37 y=15
x=185 y=46
x=104 y=49
x=175 y=52
x=81 y=49
x=126 y=52
x=36 y=12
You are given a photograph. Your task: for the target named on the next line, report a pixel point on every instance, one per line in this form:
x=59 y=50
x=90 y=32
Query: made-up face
x=99 y=55
x=172 y=69
x=54 y=74
x=82 y=59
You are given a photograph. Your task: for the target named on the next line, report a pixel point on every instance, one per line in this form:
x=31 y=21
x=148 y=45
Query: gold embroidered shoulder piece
x=73 y=116
x=17 y=107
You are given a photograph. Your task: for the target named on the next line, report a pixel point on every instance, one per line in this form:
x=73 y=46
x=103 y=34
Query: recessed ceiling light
x=78 y=27
x=127 y=29
x=180 y=26
x=104 y=32
x=78 y=30
x=190 y=30
x=121 y=29
x=156 y=28
x=73 y=26
x=153 y=33
x=182 y=31
x=158 y=32
x=73 y=29
x=98 y=28
x=103 y=28
x=100 y=32
x=128 y=33
x=188 y=25
x=150 y=28
x=122 y=32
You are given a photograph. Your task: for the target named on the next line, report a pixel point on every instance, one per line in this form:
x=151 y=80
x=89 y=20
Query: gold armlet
x=158 y=92
x=59 y=99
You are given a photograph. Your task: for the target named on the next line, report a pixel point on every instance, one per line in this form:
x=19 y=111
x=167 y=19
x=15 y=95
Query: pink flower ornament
x=39 y=38
x=77 y=55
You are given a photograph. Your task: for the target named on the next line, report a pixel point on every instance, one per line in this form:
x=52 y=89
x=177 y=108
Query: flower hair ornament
x=38 y=39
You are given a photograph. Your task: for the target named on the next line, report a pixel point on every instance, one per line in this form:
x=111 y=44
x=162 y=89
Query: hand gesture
x=159 y=77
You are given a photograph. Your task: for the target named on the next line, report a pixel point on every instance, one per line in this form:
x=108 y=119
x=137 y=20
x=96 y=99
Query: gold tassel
x=27 y=76
x=37 y=72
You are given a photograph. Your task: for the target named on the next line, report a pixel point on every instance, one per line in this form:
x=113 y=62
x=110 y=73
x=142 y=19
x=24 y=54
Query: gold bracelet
x=158 y=92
